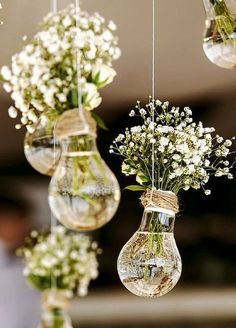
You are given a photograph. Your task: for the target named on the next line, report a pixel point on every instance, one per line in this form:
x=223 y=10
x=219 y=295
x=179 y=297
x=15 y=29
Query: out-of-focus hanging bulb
x=42 y=151
x=149 y=265
x=83 y=193
x=219 y=42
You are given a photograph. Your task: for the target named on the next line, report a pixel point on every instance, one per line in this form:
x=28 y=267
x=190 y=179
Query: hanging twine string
x=153 y=48
x=52 y=292
x=153 y=89
x=160 y=199
x=1 y=22
x=153 y=198
x=54 y=6
x=81 y=111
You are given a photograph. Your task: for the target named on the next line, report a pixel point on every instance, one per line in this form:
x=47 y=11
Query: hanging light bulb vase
x=41 y=150
x=219 y=42
x=83 y=194
x=54 y=306
x=149 y=265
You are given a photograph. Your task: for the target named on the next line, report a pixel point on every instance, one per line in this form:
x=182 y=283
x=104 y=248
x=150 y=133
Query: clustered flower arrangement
x=225 y=20
x=43 y=77
x=186 y=153
x=168 y=152
x=62 y=260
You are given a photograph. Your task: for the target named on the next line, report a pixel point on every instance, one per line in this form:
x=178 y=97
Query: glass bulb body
x=149 y=265
x=54 y=306
x=219 y=41
x=83 y=194
x=39 y=146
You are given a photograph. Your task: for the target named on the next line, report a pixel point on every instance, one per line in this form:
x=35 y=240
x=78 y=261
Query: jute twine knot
x=73 y=122
x=159 y=198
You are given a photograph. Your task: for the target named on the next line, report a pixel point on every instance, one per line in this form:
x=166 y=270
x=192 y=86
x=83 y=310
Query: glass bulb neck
x=79 y=144
x=157 y=222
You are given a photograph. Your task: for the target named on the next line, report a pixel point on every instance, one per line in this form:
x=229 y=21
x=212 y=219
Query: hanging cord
x=54 y=6
x=1 y=22
x=53 y=290
x=153 y=90
x=78 y=61
x=153 y=48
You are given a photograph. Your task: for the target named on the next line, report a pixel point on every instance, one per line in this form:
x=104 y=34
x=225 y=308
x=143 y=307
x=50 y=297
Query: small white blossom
x=12 y=112
x=132 y=113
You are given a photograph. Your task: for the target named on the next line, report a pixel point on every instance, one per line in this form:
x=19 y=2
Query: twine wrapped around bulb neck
x=73 y=123
x=55 y=299
x=167 y=200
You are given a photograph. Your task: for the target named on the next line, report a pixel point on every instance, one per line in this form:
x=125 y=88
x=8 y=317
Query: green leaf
x=142 y=178
x=99 y=121
x=135 y=188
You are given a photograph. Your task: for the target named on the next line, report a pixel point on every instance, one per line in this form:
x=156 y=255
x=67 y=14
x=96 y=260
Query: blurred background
x=205 y=230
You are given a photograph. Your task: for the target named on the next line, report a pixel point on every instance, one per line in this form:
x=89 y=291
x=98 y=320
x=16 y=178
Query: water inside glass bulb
x=219 y=41
x=149 y=265
x=83 y=193
x=39 y=147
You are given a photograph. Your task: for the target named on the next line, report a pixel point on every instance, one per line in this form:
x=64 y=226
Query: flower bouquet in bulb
x=60 y=265
x=84 y=194
x=43 y=77
x=219 y=41
x=167 y=153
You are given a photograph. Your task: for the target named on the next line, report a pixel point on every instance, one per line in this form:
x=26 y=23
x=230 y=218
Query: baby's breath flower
x=186 y=153
x=43 y=76
x=69 y=257
x=132 y=113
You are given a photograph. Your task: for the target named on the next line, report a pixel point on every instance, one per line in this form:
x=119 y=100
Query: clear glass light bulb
x=39 y=147
x=83 y=193
x=149 y=265
x=219 y=42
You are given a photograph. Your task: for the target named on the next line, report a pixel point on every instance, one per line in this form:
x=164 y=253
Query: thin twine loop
x=1 y=22
x=78 y=62
x=159 y=199
x=53 y=289
x=54 y=6
x=153 y=90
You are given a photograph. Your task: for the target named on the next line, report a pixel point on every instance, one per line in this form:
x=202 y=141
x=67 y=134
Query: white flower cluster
x=185 y=153
x=69 y=259
x=43 y=76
